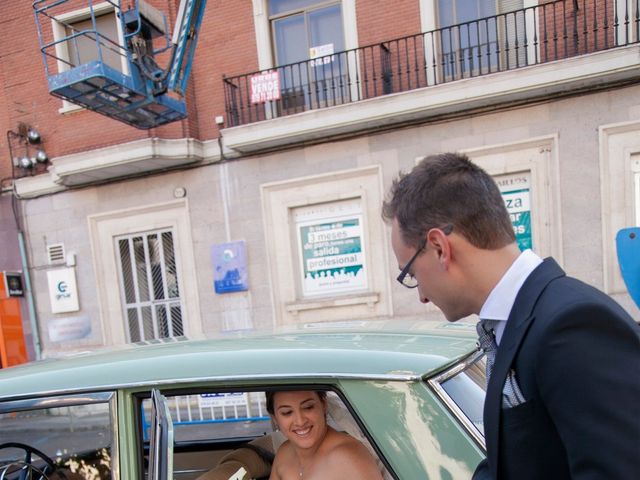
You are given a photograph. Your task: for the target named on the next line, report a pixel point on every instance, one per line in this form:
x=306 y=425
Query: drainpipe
x=32 y=307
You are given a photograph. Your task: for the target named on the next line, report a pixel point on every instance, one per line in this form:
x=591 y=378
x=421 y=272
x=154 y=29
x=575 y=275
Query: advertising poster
x=516 y=192
x=321 y=55
x=332 y=252
x=265 y=87
x=229 y=267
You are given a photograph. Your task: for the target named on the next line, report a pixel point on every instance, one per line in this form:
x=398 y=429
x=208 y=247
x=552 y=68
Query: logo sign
x=230 y=267
x=69 y=328
x=13 y=284
x=516 y=193
x=265 y=87
x=63 y=292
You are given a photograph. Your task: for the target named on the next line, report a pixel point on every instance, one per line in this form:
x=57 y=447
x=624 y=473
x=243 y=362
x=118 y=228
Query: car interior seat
x=251 y=461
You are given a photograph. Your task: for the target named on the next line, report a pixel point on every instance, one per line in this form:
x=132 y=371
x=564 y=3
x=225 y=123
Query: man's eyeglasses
x=406 y=278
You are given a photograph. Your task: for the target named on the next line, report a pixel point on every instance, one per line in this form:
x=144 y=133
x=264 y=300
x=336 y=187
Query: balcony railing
x=530 y=36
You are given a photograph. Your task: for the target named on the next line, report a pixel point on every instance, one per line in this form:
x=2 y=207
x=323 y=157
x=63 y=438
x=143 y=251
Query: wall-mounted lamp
x=25 y=147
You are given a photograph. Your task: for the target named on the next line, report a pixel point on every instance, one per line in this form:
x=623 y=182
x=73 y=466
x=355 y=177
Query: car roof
x=371 y=350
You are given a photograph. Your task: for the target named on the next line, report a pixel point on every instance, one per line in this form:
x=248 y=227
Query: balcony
x=566 y=46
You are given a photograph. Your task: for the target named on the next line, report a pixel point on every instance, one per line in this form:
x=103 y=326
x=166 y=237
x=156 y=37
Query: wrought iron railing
x=529 y=36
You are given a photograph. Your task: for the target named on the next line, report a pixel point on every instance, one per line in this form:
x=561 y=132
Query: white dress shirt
x=500 y=301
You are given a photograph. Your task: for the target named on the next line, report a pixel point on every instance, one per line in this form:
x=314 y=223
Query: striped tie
x=511 y=394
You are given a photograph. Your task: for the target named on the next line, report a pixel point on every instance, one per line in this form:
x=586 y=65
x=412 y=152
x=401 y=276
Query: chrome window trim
x=73 y=400
x=55 y=402
x=389 y=377
x=435 y=384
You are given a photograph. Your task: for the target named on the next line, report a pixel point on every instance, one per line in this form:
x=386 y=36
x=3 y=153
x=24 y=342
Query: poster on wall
x=69 y=328
x=331 y=248
x=516 y=192
x=229 y=267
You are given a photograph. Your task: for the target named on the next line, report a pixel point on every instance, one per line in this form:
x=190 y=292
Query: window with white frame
x=159 y=249
x=311 y=32
x=477 y=36
x=620 y=173
x=307 y=31
x=82 y=41
x=150 y=286
x=321 y=242
x=301 y=26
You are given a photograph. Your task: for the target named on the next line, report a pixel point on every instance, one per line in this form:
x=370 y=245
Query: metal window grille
x=150 y=286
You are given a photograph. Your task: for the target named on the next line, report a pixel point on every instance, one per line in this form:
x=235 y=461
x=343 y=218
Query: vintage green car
x=187 y=409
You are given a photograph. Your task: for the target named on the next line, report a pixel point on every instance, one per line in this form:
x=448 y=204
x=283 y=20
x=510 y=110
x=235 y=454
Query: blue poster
x=229 y=267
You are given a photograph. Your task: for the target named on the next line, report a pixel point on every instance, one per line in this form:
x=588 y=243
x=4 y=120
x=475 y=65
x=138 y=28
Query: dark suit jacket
x=576 y=354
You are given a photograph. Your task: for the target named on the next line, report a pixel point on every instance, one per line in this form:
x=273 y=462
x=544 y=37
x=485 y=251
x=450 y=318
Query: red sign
x=265 y=87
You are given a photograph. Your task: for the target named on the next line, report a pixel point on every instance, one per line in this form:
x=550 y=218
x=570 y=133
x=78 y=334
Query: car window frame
x=277 y=385
x=436 y=382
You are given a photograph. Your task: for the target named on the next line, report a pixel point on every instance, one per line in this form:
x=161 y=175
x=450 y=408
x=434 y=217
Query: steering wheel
x=29 y=451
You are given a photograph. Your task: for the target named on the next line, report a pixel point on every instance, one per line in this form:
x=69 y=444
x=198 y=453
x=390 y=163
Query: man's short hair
x=449 y=189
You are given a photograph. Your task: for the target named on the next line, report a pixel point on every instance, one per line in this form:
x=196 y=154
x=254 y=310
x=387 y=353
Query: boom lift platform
x=102 y=55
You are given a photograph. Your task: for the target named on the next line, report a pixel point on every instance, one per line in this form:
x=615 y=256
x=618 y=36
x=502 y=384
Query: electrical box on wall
x=13 y=283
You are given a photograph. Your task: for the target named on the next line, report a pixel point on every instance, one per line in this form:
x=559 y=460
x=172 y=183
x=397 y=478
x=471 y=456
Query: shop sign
x=516 y=192
x=13 y=284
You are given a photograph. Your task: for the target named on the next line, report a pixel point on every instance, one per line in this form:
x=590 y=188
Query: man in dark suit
x=563 y=359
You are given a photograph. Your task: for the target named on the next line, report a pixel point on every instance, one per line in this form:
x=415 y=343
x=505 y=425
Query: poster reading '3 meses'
x=331 y=250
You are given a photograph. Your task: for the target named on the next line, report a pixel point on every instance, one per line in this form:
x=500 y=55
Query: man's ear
x=439 y=242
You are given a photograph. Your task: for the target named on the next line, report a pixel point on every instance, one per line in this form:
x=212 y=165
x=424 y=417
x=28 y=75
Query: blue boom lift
x=104 y=55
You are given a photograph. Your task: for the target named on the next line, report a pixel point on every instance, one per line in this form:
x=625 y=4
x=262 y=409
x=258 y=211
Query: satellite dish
x=628 y=246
